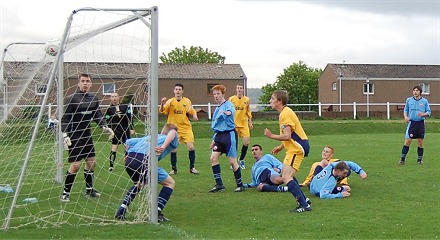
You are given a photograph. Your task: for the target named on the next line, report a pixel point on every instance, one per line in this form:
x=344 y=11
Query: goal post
x=119 y=49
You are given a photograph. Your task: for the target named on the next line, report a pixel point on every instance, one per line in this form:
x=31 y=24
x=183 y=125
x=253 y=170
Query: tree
x=300 y=81
x=192 y=55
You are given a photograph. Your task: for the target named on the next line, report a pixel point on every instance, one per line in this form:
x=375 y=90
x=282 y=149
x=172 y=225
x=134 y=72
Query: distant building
x=376 y=83
x=26 y=82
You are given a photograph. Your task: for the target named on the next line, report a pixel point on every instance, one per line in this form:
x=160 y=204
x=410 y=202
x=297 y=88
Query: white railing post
x=209 y=111
x=354 y=110
x=319 y=109
x=388 y=111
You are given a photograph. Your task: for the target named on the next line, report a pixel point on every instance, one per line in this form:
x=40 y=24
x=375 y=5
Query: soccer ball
x=52 y=47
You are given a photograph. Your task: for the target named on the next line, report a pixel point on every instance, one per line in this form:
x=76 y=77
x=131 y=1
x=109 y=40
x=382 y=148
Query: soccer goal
x=119 y=49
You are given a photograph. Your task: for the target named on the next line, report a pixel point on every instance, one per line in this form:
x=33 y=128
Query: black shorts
x=120 y=138
x=80 y=149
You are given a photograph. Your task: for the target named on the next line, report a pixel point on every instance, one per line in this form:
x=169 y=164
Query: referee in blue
x=415 y=111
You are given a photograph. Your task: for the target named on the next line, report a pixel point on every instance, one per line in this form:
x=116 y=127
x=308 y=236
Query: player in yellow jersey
x=327 y=157
x=243 y=120
x=294 y=141
x=179 y=109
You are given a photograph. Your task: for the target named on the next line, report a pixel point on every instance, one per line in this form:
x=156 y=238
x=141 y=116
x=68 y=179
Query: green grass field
x=395 y=202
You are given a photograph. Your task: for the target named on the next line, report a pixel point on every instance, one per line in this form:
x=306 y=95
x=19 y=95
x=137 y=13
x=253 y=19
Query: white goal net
x=118 y=48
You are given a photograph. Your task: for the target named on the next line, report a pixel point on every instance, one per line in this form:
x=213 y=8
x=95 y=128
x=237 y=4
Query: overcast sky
x=264 y=36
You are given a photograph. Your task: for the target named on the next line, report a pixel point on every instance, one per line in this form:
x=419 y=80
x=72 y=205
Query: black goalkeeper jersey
x=120 y=121
x=81 y=109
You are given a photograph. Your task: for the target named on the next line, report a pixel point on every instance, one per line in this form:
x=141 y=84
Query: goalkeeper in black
x=80 y=109
x=120 y=120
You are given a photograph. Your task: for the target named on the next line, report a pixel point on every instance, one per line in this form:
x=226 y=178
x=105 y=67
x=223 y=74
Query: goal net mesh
x=115 y=47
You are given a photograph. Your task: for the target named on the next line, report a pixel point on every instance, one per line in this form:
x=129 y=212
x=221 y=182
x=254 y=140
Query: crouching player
x=324 y=183
x=137 y=168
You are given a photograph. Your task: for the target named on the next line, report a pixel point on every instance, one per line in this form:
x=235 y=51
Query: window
x=425 y=88
x=209 y=88
x=334 y=86
x=108 y=88
x=368 y=88
x=40 y=89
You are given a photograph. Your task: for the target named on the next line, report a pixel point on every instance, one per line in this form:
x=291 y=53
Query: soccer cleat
x=173 y=172
x=110 y=169
x=194 y=171
x=217 y=188
x=308 y=201
x=64 y=198
x=120 y=214
x=242 y=164
x=301 y=209
x=239 y=189
x=92 y=193
x=401 y=162
x=419 y=162
x=162 y=218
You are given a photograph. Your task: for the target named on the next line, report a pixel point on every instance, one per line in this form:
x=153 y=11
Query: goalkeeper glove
x=109 y=131
x=67 y=141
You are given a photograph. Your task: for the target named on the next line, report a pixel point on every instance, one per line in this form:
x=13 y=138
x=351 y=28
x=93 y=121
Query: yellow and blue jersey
x=242 y=110
x=178 y=112
x=298 y=144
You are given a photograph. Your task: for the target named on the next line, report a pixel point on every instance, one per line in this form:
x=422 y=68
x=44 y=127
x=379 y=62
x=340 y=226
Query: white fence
x=356 y=108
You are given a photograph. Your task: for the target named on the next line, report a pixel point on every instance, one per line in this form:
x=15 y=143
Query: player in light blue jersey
x=415 y=111
x=266 y=175
x=136 y=165
x=265 y=172
x=224 y=139
x=324 y=183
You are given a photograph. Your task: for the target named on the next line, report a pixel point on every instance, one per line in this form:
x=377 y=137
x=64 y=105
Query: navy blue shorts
x=226 y=142
x=415 y=129
x=337 y=190
x=136 y=166
x=265 y=177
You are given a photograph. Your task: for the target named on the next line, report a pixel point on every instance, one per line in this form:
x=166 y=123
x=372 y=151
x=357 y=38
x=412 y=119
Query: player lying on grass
x=266 y=173
x=324 y=183
x=136 y=165
x=327 y=157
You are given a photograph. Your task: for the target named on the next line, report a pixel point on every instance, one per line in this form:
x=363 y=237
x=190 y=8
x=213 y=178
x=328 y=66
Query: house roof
x=385 y=70
x=135 y=70
x=201 y=71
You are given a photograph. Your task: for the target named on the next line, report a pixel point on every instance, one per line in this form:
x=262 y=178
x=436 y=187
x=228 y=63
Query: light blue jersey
x=266 y=162
x=414 y=106
x=324 y=182
x=222 y=122
x=142 y=145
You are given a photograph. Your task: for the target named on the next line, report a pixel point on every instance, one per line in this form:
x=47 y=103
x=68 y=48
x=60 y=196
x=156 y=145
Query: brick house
x=26 y=83
x=368 y=84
